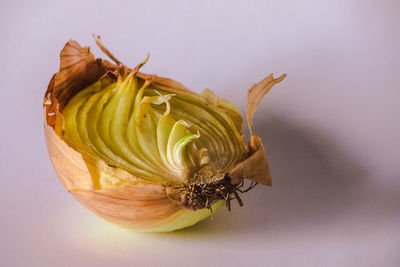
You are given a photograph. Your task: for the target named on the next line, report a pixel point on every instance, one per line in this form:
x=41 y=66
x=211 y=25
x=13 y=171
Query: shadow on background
x=314 y=182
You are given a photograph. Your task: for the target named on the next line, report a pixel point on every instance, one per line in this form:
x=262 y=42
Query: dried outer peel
x=255 y=167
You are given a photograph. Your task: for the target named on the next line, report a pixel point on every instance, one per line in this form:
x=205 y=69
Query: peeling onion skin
x=133 y=202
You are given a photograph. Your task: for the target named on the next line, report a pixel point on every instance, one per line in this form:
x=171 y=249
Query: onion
x=142 y=151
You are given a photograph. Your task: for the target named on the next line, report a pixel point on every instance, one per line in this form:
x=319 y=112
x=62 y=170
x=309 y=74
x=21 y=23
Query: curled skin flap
x=255 y=167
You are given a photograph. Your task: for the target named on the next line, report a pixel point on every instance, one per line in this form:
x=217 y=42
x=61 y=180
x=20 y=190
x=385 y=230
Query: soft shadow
x=314 y=182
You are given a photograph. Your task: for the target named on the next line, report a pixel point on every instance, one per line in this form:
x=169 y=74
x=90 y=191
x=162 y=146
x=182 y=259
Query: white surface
x=331 y=129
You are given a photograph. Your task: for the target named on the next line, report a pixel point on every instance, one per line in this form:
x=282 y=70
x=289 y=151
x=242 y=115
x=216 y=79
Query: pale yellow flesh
x=152 y=134
x=182 y=219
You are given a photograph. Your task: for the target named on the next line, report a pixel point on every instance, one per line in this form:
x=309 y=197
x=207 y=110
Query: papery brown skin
x=255 y=167
x=143 y=205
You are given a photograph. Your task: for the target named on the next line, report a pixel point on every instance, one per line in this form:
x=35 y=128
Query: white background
x=331 y=129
